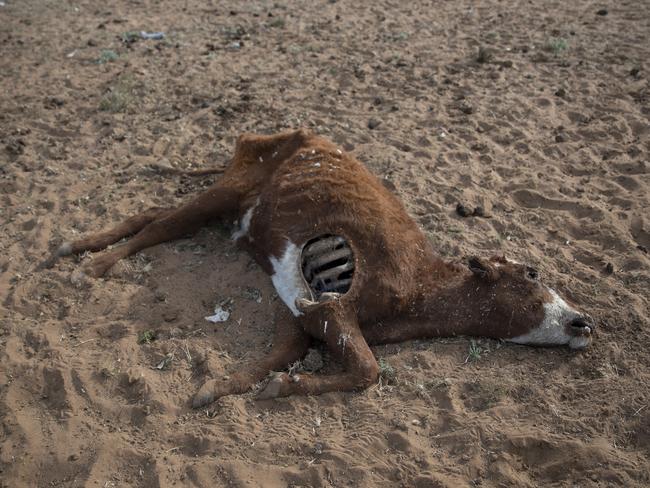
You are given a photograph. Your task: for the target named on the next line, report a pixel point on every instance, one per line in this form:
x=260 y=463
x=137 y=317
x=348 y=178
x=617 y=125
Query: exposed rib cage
x=328 y=265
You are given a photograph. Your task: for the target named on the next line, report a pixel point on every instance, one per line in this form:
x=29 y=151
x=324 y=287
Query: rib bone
x=332 y=273
x=319 y=247
x=324 y=259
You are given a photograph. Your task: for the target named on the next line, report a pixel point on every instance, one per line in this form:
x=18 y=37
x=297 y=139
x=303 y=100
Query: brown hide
x=311 y=188
x=340 y=196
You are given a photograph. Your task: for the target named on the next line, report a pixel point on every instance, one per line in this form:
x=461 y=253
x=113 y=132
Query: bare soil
x=535 y=111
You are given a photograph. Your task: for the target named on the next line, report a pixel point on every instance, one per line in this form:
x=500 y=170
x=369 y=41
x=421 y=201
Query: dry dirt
x=547 y=129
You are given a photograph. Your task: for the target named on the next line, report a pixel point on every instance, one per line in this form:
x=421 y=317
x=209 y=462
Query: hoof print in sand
x=134 y=388
x=54 y=394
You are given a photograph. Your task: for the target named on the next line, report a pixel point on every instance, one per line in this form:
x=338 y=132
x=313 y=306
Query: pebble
x=609 y=268
x=462 y=210
x=602 y=11
x=373 y=123
x=485 y=55
x=54 y=101
x=467 y=109
x=478 y=212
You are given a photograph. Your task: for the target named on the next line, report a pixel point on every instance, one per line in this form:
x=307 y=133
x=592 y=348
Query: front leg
x=335 y=323
x=290 y=343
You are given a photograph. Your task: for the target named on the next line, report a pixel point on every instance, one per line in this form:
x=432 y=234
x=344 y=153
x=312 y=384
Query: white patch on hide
x=552 y=330
x=287 y=277
x=245 y=223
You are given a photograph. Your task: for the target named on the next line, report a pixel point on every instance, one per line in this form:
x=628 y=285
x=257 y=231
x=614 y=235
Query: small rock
x=609 y=268
x=15 y=147
x=73 y=457
x=643 y=249
x=560 y=93
x=467 y=109
x=373 y=123
x=462 y=210
x=635 y=71
x=54 y=102
x=602 y=11
x=484 y=55
x=478 y=212
x=560 y=138
x=377 y=101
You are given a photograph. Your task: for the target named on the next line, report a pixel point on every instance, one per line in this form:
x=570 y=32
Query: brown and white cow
x=349 y=263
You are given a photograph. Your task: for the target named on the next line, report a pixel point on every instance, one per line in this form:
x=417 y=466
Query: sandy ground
x=547 y=130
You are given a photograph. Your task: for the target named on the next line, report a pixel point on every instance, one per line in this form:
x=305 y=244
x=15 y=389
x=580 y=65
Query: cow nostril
x=583 y=322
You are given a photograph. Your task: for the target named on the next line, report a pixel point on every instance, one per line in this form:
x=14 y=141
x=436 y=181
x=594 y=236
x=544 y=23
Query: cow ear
x=483 y=269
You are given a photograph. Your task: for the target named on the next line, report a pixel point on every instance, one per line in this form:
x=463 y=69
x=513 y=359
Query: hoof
x=328 y=296
x=305 y=305
x=64 y=250
x=205 y=395
x=99 y=266
x=273 y=388
x=94 y=271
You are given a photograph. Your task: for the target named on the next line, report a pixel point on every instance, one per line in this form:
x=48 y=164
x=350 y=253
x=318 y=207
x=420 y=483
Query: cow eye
x=532 y=273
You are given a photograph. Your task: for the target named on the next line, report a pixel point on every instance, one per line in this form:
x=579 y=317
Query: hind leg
x=101 y=240
x=218 y=201
x=290 y=343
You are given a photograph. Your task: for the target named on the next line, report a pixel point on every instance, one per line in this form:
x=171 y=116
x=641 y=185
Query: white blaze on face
x=553 y=329
x=287 y=277
x=245 y=222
